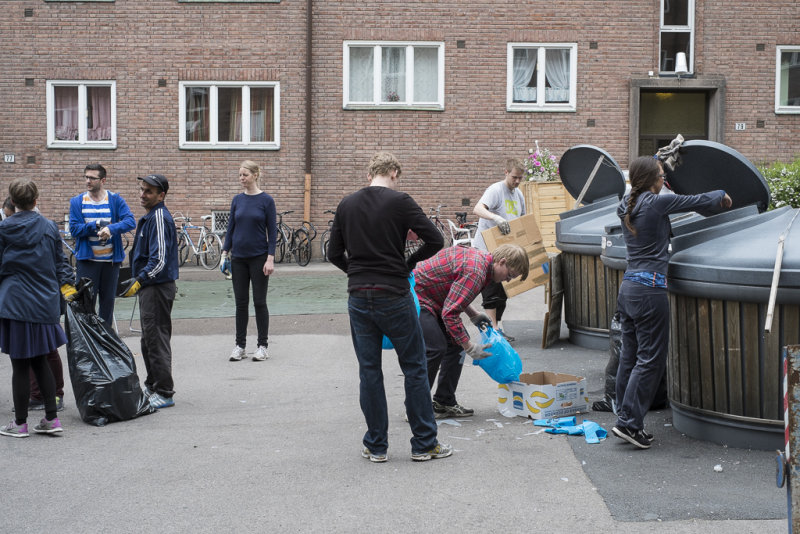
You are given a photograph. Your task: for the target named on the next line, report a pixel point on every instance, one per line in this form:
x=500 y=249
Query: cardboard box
x=543 y=395
x=525 y=233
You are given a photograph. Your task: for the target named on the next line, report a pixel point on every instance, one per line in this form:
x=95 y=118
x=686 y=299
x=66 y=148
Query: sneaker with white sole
x=374 y=457
x=159 y=401
x=13 y=430
x=634 y=437
x=48 y=427
x=237 y=354
x=439 y=451
x=260 y=354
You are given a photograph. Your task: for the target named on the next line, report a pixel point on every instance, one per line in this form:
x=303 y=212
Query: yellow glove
x=69 y=292
x=130 y=287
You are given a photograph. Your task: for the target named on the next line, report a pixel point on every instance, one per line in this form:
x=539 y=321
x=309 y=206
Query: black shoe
x=35 y=405
x=634 y=437
x=59 y=403
x=508 y=338
x=648 y=435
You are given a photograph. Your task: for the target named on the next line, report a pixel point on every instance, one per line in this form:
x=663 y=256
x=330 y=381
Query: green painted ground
x=287 y=295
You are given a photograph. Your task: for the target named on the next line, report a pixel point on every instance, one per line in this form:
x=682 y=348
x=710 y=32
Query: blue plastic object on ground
x=386 y=344
x=592 y=432
x=504 y=364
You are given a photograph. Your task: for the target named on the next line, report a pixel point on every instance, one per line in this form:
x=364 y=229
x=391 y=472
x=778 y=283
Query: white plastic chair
x=459 y=236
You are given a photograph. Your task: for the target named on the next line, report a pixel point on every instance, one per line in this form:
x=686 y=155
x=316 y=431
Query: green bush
x=783 y=180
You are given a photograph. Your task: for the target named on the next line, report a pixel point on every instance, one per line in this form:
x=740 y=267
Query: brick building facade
x=455 y=111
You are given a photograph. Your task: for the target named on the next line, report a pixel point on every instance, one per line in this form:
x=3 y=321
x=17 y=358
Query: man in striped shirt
x=97 y=220
x=446 y=285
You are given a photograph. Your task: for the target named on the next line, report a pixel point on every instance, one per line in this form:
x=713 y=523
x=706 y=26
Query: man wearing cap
x=97 y=220
x=154 y=269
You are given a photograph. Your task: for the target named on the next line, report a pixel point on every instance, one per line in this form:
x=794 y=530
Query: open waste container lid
x=576 y=165
x=707 y=166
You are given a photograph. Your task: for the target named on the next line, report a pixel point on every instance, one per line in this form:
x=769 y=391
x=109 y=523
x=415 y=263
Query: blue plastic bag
x=504 y=365
x=386 y=344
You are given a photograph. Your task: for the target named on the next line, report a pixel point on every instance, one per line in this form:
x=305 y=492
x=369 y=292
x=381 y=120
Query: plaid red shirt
x=449 y=281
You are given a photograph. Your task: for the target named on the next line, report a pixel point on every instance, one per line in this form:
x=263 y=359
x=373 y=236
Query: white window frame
x=213 y=117
x=82 y=141
x=376 y=93
x=677 y=29
x=778 y=107
x=541 y=104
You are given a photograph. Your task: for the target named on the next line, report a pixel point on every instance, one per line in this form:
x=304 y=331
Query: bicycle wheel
x=444 y=232
x=280 y=247
x=310 y=229
x=302 y=247
x=211 y=251
x=183 y=249
x=323 y=244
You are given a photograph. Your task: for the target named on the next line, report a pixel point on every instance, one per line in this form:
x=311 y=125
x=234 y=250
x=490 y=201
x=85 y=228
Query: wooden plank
x=705 y=354
x=751 y=328
x=591 y=291
x=772 y=380
x=719 y=355
x=734 y=349
x=791 y=324
x=673 y=361
x=683 y=353
x=570 y=286
x=585 y=281
x=552 y=325
x=692 y=350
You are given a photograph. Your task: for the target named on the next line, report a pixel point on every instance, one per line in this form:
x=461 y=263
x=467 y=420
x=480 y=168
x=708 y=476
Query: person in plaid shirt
x=446 y=285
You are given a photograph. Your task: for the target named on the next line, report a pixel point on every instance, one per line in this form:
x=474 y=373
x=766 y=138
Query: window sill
x=381 y=107
x=206 y=146
x=787 y=110
x=85 y=146
x=541 y=109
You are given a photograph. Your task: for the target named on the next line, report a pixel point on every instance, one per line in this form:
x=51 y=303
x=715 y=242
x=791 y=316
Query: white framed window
x=787 y=79
x=226 y=115
x=541 y=76
x=393 y=74
x=676 y=35
x=81 y=114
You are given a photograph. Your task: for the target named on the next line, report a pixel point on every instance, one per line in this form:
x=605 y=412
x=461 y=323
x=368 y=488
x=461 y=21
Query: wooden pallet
x=546 y=201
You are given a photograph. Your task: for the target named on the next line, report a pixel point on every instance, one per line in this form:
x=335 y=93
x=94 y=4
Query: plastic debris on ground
x=592 y=432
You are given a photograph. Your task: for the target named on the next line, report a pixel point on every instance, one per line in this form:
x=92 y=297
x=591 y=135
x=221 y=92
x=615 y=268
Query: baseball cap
x=157 y=180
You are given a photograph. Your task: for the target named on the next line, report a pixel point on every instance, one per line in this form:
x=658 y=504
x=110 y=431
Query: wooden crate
x=546 y=201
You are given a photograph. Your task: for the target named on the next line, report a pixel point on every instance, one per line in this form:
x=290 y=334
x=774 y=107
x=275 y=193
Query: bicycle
x=66 y=237
x=464 y=232
x=296 y=242
x=209 y=246
x=412 y=240
x=326 y=237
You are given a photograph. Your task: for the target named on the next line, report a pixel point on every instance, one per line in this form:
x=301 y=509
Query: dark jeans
x=374 y=314
x=57 y=368
x=644 y=318
x=155 y=313
x=247 y=271
x=444 y=357
x=494 y=298
x=104 y=275
x=20 y=386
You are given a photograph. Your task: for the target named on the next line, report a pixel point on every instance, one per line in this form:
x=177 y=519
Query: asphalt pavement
x=275 y=446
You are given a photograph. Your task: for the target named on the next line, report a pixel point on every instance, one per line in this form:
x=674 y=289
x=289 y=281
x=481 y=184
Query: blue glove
x=225 y=265
x=557 y=422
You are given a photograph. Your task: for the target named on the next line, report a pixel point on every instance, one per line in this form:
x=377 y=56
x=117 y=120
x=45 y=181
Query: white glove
x=477 y=351
x=502 y=224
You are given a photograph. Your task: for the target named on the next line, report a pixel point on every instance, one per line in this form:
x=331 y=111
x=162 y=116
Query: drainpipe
x=307 y=185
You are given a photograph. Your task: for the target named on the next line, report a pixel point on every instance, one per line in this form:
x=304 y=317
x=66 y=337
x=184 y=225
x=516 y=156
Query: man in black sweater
x=367 y=242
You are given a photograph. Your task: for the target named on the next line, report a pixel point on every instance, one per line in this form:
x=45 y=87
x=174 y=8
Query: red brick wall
x=447 y=155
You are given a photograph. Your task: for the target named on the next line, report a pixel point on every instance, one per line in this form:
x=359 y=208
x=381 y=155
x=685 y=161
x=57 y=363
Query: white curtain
x=361 y=74
x=426 y=74
x=557 y=74
x=99 y=116
x=66 y=104
x=524 y=67
x=393 y=74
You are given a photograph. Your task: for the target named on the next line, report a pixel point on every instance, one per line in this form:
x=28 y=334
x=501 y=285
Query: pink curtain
x=99 y=113
x=66 y=110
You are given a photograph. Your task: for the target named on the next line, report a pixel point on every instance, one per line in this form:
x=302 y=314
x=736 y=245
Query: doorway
x=664 y=114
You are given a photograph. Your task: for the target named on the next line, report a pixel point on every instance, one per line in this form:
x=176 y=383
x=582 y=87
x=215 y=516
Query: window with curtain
x=787 y=80
x=676 y=34
x=393 y=74
x=226 y=115
x=541 y=76
x=81 y=114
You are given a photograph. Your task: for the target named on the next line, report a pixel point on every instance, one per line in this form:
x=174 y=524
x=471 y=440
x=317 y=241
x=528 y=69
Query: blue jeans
x=373 y=314
x=644 y=318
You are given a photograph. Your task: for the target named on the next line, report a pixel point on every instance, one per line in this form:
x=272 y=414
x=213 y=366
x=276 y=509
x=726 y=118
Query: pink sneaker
x=48 y=427
x=14 y=430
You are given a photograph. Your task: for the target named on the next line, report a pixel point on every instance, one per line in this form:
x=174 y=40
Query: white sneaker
x=260 y=354
x=237 y=354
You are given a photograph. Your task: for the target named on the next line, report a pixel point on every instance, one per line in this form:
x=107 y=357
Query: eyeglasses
x=92 y=177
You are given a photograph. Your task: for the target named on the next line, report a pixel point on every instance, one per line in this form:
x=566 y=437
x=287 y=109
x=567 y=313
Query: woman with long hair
x=643 y=303
x=249 y=256
x=33 y=276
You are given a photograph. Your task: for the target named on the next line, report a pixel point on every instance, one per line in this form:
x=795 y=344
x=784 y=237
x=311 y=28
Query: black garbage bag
x=660 y=401
x=101 y=367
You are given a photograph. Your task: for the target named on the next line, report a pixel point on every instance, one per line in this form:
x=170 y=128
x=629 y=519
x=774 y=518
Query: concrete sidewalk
x=275 y=446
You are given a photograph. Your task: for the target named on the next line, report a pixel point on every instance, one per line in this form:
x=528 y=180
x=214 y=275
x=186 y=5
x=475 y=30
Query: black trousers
x=20 y=385
x=155 y=313
x=444 y=358
x=494 y=298
x=247 y=271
